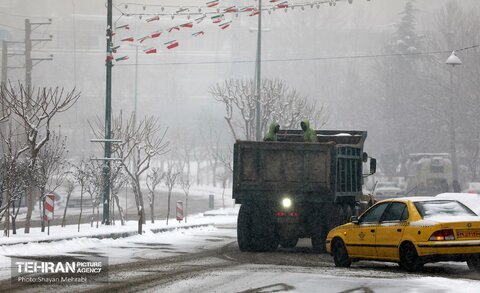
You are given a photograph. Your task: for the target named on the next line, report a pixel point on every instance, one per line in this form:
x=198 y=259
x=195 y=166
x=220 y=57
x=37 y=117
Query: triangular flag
x=142 y=39
x=187 y=25
x=151 y=51
x=213 y=3
x=225 y=25
x=114 y=49
x=122 y=58
x=282 y=5
x=171 y=44
x=217 y=18
x=130 y=39
x=200 y=19
x=198 y=33
x=125 y=26
x=182 y=10
x=155 y=34
x=109 y=57
x=155 y=18
x=255 y=12
x=246 y=9
x=173 y=28
x=231 y=9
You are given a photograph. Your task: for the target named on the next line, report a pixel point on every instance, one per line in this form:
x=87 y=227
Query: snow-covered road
x=207 y=259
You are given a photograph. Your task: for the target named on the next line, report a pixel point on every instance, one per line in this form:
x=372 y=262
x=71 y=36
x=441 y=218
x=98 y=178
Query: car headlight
x=286 y=202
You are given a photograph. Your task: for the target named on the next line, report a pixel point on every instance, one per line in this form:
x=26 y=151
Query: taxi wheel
x=409 y=259
x=474 y=263
x=340 y=254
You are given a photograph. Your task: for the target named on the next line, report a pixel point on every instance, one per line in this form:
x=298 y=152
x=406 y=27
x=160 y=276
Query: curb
x=113 y=235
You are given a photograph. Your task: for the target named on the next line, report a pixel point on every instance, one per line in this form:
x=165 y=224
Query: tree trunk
x=142 y=205
x=64 y=220
x=198 y=172
x=29 y=207
x=168 y=203
x=120 y=210
x=81 y=207
x=186 y=207
x=140 y=220
x=152 y=205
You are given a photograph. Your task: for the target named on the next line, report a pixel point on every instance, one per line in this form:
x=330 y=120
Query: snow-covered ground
x=181 y=240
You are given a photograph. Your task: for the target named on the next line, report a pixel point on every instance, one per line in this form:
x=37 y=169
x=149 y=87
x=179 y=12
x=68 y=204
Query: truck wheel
x=244 y=226
x=289 y=243
x=262 y=232
x=340 y=254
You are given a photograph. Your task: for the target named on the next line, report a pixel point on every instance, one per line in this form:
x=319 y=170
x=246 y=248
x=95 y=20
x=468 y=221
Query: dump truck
x=429 y=174
x=290 y=189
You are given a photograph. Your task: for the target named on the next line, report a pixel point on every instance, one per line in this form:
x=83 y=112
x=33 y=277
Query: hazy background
x=356 y=91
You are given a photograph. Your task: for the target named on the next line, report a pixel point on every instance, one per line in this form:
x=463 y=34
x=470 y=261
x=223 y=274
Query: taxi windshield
x=448 y=208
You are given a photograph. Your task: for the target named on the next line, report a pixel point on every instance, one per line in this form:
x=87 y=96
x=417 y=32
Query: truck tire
x=289 y=243
x=256 y=228
x=244 y=226
x=319 y=225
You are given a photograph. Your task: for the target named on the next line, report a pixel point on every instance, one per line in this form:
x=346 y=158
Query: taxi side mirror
x=354 y=219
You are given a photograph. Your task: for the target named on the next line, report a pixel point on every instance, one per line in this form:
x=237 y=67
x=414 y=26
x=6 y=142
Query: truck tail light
x=440 y=235
x=288 y=214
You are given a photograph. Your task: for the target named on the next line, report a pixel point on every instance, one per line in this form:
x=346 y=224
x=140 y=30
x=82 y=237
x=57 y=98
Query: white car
x=471 y=200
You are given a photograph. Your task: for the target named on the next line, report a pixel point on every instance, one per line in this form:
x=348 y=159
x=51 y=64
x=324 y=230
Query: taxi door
x=361 y=238
x=390 y=230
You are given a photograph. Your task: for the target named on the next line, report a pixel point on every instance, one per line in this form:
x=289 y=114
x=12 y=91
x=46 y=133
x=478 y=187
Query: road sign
x=48 y=206
x=179 y=211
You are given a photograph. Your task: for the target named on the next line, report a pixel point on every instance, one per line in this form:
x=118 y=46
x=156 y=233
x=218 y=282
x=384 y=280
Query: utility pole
x=29 y=28
x=108 y=119
x=4 y=62
x=258 y=106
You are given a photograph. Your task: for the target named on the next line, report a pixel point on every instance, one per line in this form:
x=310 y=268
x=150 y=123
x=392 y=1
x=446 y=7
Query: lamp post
x=453 y=60
x=257 y=81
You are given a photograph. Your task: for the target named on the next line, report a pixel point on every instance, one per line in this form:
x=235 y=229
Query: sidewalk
x=58 y=233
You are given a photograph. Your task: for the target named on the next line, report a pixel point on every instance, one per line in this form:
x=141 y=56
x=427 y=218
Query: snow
x=181 y=238
x=471 y=200
x=261 y=278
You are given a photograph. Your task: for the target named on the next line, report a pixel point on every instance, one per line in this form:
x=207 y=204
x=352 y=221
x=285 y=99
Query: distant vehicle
x=387 y=192
x=387 y=184
x=473 y=187
x=429 y=174
x=410 y=231
x=291 y=189
x=471 y=200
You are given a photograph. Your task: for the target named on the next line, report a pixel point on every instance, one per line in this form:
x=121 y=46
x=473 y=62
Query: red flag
x=141 y=40
x=198 y=33
x=213 y=3
x=172 y=44
x=230 y=9
x=188 y=25
x=155 y=34
x=130 y=39
x=151 y=51
x=282 y=5
x=250 y=8
x=173 y=28
x=255 y=12
x=155 y=18
x=225 y=25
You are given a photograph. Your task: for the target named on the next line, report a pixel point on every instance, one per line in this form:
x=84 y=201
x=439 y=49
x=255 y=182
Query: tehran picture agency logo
x=66 y=270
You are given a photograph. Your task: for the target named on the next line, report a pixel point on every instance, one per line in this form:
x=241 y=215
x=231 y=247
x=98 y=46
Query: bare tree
x=118 y=179
x=13 y=169
x=36 y=113
x=70 y=187
x=51 y=168
x=153 y=179
x=170 y=180
x=185 y=183
x=80 y=175
x=140 y=142
x=278 y=102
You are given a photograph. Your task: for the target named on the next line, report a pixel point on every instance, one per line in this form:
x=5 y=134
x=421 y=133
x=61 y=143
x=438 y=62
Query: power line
x=307 y=59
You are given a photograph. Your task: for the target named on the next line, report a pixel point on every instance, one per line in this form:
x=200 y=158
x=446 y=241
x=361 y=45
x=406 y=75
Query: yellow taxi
x=410 y=231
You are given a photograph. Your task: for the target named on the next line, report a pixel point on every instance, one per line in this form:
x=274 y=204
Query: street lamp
x=453 y=60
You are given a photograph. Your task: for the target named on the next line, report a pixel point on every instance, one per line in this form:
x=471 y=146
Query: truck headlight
x=286 y=202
